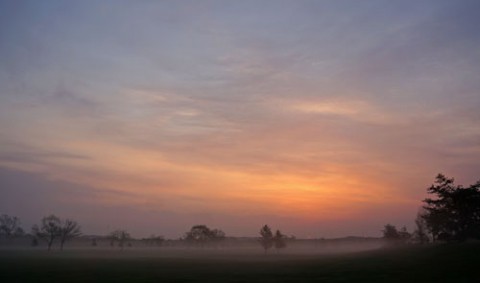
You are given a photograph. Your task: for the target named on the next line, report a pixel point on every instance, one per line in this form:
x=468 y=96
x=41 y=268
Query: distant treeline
x=452 y=214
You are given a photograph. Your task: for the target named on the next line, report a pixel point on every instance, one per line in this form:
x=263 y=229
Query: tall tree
x=70 y=229
x=10 y=226
x=454 y=212
x=266 y=239
x=49 y=229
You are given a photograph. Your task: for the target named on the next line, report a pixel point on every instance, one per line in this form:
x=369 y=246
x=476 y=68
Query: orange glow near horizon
x=138 y=176
x=175 y=112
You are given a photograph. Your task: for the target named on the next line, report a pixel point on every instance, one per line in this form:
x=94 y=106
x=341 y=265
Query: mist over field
x=241 y=265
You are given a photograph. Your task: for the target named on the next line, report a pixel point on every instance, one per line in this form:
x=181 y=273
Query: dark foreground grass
x=444 y=263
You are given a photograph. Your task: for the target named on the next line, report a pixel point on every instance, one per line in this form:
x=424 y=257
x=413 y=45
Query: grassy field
x=444 y=263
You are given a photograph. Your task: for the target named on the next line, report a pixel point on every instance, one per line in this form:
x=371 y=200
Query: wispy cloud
x=196 y=108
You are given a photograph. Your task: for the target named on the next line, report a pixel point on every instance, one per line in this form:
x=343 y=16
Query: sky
x=318 y=118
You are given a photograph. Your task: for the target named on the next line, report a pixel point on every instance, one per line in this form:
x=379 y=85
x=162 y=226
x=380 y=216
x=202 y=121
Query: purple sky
x=320 y=118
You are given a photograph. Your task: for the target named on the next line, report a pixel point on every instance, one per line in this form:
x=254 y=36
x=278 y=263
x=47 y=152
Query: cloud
x=210 y=108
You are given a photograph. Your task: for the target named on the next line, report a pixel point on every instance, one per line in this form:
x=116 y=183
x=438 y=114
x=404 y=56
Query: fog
x=230 y=249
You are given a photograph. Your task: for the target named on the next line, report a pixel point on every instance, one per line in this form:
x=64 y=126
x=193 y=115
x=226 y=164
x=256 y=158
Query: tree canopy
x=52 y=228
x=48 y=230
x=454 y=213
x=69 y=229
x=10 y=226
x=201 y=235
x=266 y=239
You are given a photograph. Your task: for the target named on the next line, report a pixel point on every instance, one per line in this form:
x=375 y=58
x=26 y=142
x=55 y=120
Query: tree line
x=451 y=214
x=52 y=229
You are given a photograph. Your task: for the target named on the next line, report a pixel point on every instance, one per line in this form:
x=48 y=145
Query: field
x=442 y=263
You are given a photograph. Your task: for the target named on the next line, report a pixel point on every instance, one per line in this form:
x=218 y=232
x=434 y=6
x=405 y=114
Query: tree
x=198 y=234
x=10 y=226
x=390 y=232
x=202 y=235
x=70 y=229
x=49 y=229
x=279 y=240
x=454 y=213
x=394 y=236
x=118 y=235
x=420 y=235
x=217 y=235
x=266 y=239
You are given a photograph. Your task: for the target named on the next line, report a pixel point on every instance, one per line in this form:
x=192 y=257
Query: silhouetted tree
x=279 y=240
x=198 y=234
x=454 y=213
x=390 y=232
x=420 y=235
x=201 y=235
x=218 y=235
x=94 y=242
x=121 y=236
x=10 y=226
x=49 y=229
x=394 y=236
x=69 y=229
x=266 y=239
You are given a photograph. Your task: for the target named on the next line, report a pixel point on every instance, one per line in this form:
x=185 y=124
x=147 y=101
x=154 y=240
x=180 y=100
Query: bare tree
x=49 y=230
x=70 y=229
x=10 y=226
